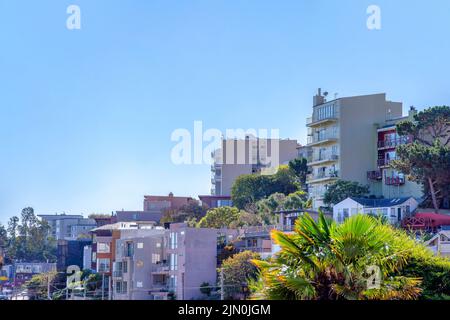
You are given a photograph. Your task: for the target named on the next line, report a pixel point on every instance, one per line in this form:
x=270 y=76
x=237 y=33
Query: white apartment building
x=251 y=155
x=342 y=135
x=68 y=227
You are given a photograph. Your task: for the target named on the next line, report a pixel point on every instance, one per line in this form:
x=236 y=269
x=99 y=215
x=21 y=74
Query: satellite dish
x=325 y=93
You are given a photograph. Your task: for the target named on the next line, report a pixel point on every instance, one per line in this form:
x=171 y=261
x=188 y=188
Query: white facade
x=440 y=243
x=395 y=210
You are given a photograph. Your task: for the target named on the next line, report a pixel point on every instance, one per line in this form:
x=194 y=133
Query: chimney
x=318 y=98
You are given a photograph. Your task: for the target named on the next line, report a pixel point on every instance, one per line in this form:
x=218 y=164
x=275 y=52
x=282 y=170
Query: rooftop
x=379 y=203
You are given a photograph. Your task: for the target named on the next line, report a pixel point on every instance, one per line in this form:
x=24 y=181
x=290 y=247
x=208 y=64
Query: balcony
x=394 y=181
x=323 y=159
x=316 y=122
x=322 y=177
x=374 y=175
x=322 y=139
x=161 y=269
x=383 y=163
x=394 y=143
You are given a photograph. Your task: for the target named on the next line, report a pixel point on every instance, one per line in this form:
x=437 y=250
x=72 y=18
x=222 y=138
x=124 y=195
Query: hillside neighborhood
x=368 y=174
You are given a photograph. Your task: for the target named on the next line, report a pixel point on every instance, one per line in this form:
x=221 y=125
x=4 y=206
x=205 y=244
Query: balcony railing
x=322 y=138
x=374 y=175
x=323 y=175
x=385 y=162
x=326 y=157
x=393 y=143
x=311 y=121
x=395 y=181
x=162 y=268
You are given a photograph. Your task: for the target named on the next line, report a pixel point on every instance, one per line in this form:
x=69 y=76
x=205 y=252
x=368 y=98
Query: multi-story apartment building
x=384 y=180
x=102 y=251
x=138 y=254
x=68 y=227
x=251 y=155
x=155 y=264
x=342 y=136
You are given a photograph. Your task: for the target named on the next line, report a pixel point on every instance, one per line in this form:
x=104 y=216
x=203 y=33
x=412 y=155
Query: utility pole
x=103 y=286
x=222 y=293
x=48 y=288
x=109 y=288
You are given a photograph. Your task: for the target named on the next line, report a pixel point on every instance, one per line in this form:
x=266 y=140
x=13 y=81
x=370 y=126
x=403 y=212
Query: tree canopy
x=238 y=270
x=361 y=259
x=28 y=239
x=248 y=189
x=191 y=213
x=341 y=190
x=427 y=159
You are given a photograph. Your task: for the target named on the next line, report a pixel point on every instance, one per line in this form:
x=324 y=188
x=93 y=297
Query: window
x=103 y=265
x=124 y=266
x=129 y=249
x=173 y=282
x=140 y=245
x=103 y=247
x=173 y=240
x=156 y=258
x=139 y=284
x=346 y=214
x=119 y=287
x=173 y=262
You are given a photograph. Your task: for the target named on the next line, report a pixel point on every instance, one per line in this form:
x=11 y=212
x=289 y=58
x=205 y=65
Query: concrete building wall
x=358 y=116
x=248 y=156
x=196 y=255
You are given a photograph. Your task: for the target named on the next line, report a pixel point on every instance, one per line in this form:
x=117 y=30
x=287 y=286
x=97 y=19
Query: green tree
x=427 y=159
x=248 y=189
x=238 y=270
x=190 y=213
x=246 y=219
x=341 y=190
x=29 y=239
x=277 y=202
x=328 y=261
x=300 y=167
x=219 y=218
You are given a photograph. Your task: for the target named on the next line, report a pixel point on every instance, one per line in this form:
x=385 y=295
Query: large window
x=173 y=261
x=121 y=287
x=173 y=282
x=103 y=265
x=173 y=240
x=156 y=258
x=129 y=249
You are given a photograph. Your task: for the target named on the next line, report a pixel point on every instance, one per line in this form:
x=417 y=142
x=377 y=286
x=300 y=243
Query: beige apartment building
x=251 y=155
x=342 y=134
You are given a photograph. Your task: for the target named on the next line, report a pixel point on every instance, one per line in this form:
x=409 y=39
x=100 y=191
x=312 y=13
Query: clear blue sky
x=86 y=115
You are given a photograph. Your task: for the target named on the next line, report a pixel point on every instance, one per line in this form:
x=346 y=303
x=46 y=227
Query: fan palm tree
x=357 y=260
